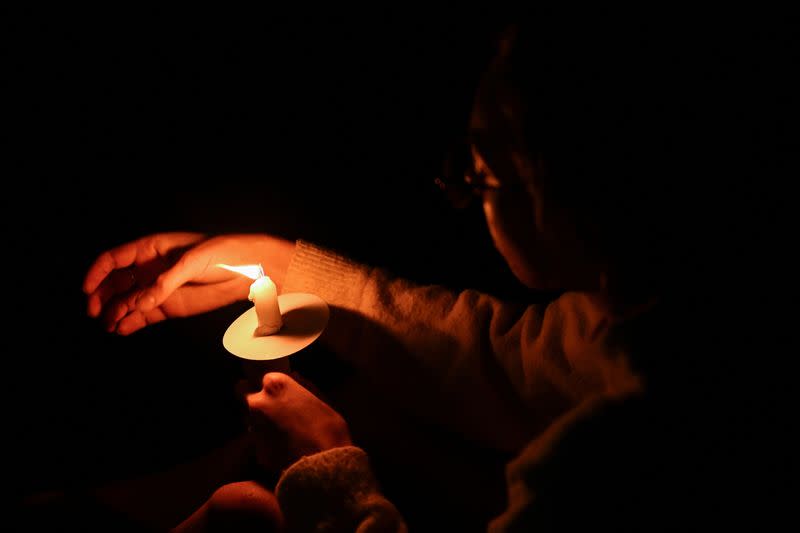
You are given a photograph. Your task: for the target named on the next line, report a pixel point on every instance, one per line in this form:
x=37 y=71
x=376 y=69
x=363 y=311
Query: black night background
x=327 y=127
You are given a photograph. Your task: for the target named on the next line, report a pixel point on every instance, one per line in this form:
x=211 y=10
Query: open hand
x=169 y=275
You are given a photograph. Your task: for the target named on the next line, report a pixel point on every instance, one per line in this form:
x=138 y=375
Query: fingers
x=122 y=317
x=187 y=268
x=164 y=243
x=111 y=291
x=138 y=251
x=116 y=283
x=276 y=383
x=195 y=299
x=244 y=506
x=276 y=387
x=117 y=307
x=114 y=259
x=239 y=506
x=309 y=424
x=273 y=384
x=136 y=320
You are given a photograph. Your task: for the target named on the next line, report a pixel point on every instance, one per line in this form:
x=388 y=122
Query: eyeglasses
x=460 y=181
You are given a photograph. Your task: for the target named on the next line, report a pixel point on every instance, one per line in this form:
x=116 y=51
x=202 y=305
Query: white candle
x=264 y=294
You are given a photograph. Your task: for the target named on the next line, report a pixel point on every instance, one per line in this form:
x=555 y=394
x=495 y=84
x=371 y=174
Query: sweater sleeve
x=576 y=474
x=496 y=372
x=335 y=490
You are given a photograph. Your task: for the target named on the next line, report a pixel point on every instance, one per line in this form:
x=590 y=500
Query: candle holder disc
x=304 y=319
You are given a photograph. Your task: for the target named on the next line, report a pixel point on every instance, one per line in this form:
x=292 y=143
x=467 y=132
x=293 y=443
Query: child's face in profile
x=533 y=237
x=530 y=228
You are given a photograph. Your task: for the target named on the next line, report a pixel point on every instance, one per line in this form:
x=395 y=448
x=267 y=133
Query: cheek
x=513 y=231
x=495 y=224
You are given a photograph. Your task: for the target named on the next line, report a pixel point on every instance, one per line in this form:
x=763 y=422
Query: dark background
x=331 y=128
x=328 y=127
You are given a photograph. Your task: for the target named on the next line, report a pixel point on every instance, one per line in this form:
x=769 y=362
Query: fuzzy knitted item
x=335 y=491
x=509 y=376
x=497 y=372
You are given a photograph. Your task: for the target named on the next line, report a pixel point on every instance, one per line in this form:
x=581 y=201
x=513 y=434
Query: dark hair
x=606 y=109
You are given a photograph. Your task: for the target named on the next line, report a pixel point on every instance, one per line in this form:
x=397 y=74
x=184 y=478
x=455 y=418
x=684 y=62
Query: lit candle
x=264 y=294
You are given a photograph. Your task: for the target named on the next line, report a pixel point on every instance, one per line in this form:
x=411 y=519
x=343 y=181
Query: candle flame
x=251 y=271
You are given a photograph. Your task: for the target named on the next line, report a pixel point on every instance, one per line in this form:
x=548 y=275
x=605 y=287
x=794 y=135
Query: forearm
x=492 y=370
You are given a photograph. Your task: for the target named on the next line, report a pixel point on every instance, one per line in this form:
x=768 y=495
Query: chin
x=548 y=274
x=531 y=278
x=534 y=280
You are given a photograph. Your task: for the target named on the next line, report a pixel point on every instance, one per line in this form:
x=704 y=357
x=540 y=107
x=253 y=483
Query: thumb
x=168 y=282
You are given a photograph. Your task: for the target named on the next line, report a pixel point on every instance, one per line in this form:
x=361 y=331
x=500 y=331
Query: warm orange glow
x=251 y=271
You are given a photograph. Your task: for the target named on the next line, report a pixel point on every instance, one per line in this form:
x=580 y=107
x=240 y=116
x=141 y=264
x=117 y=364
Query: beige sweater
x=498 y=373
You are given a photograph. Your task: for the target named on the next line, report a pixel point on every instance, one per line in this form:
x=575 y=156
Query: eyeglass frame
x=460 y=180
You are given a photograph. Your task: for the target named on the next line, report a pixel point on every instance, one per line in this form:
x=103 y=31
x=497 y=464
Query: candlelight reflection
x=251 y=271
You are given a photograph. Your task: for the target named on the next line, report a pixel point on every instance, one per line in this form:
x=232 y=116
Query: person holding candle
x=575 y=166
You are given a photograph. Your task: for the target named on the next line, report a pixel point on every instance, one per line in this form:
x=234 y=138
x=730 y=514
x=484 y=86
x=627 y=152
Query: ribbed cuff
x=326 y=491
x=334 y=278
